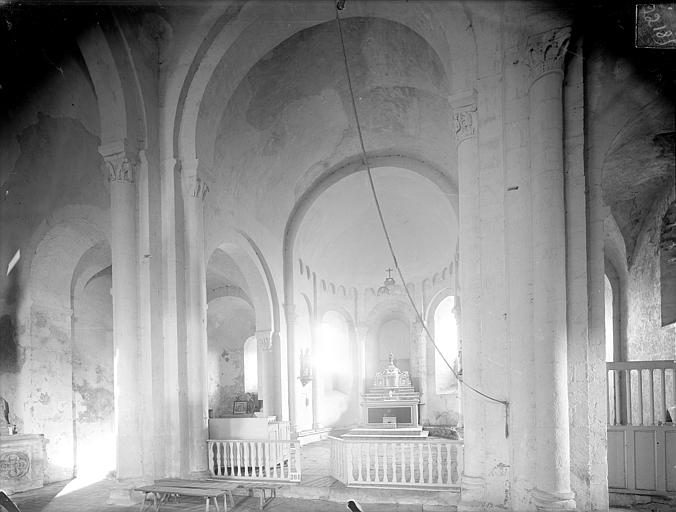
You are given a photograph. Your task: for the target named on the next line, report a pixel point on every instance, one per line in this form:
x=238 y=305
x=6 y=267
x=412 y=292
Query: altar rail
x=254 y=459
x=408 y=464
x=640 y=392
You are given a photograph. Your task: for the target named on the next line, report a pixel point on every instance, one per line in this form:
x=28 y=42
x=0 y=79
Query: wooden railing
x=411 y=463
x=641 y=392
x=254 y=459
x=283 y=430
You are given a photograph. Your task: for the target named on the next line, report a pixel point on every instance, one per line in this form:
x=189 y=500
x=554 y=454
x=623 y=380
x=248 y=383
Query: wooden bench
x=227 y=487
x=260 y=487
x=161 y=493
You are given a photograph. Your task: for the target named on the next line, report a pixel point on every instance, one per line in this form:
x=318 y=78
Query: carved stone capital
x=198 y=187
x=264 y=339
x=547 y=52
x=465 y=124
x=121 y=167
x=464 y=114
x=195 y=181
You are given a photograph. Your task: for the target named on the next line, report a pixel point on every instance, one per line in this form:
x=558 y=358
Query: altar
x=390 y=407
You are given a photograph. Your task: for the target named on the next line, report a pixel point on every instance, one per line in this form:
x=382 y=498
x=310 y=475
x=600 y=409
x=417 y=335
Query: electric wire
x=389 y=241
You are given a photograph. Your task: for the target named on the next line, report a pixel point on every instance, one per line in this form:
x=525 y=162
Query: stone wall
x=646 y=338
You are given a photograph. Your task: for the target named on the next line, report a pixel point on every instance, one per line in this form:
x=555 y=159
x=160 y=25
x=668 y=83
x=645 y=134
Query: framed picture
x=239 y=407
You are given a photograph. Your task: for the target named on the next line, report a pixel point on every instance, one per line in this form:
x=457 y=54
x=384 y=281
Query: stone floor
x=317 y=492
x=57 y=498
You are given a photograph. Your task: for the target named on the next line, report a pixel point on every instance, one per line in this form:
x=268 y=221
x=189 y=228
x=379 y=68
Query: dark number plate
x=656 y=26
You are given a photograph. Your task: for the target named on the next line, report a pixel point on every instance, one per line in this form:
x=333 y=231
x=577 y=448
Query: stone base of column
x=123 y=493
x=472 y=493
x=553 y=501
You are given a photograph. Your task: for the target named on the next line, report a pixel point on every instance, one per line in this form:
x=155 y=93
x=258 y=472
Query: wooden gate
x=641 y=427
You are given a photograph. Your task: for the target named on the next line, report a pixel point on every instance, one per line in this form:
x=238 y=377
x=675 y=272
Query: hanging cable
x=339 y=7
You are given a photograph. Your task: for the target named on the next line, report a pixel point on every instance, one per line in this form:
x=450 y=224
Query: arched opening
x=93 y=371
x=446 y=339
x=230 y=322
x=71 y=349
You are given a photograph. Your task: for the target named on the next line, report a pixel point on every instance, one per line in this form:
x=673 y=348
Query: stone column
x=458 y=364
x=277 y=406
x=546 y=58
x=419 y=366
x=292 y=373
x=266 y=371
x=121 y=164
x=195 y=190
x=465 y=117
x=314 y=347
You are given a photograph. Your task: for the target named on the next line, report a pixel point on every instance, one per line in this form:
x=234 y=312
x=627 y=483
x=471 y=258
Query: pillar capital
x=464 y=114
x=264 y=339
x=120 y=161
x=547 y=52
x=195 y=179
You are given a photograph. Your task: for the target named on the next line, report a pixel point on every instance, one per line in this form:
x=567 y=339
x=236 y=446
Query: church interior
x=436 y=239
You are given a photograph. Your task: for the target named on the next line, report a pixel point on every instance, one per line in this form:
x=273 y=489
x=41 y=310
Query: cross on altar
x=389 y=272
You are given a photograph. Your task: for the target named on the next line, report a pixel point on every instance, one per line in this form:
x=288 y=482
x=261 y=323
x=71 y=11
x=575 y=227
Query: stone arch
x=261 y=294
x=107 y=57
x=245 y=28
x=616 y=269
x=332 y=176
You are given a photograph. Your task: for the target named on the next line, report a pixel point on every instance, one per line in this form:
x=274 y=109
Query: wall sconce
x=305 y=367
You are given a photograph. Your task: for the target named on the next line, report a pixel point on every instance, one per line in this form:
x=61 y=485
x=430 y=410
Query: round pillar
x=473 y=491
x=195 y=190
x=121 y=166
x=547 y=53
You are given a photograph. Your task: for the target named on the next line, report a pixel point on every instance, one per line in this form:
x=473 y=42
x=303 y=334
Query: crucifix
x=389 y=273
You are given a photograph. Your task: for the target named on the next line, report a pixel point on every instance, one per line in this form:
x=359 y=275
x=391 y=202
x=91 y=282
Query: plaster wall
x=50 y=171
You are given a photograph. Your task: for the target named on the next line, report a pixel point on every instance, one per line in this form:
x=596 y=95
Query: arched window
x=250 y=365
x=446 y=338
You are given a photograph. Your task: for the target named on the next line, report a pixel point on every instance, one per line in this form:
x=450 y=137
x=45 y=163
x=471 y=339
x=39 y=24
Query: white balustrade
x=641 y=392
x=254 y=459
x=410 y=463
